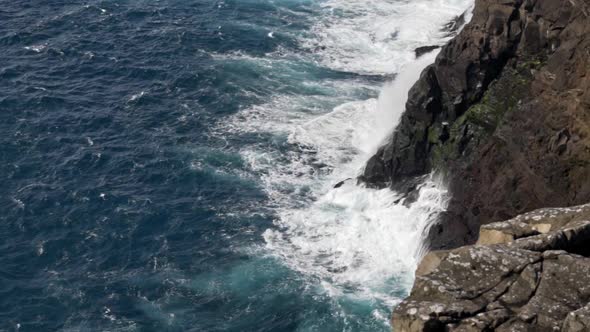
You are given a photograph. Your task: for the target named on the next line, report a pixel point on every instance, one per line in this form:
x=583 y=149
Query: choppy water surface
x=169 y=165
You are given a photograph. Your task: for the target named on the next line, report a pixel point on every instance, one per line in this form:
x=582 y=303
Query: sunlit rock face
x=527 y=280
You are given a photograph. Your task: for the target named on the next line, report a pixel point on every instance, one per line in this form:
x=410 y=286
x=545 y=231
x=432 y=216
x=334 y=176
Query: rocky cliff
x=530 y=273
x=503 y=113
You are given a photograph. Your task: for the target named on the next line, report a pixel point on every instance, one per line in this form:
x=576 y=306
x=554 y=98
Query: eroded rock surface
x=504 y=113
x=535 y=276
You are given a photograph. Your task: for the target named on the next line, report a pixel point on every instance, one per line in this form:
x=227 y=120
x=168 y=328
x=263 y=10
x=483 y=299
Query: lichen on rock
x=509 y=285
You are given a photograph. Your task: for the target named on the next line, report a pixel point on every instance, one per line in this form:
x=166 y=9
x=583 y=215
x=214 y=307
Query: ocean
x=170 y=165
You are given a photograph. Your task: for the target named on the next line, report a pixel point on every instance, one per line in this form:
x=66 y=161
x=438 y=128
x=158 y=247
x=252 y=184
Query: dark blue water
x=128 y=199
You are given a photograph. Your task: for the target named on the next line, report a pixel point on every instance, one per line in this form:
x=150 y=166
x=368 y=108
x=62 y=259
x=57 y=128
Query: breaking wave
x=354 y=241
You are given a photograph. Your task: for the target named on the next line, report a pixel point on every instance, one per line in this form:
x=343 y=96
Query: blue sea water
x=168 y=165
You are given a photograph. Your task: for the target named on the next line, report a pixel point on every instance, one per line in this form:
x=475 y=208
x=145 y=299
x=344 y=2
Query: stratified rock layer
x=504 y=113
x=531 y=275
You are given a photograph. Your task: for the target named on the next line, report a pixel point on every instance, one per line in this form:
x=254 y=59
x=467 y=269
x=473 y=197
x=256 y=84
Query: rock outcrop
x=530 y=273
x=504 y=114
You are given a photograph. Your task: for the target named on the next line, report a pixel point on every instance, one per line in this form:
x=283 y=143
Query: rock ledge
x=530 y=273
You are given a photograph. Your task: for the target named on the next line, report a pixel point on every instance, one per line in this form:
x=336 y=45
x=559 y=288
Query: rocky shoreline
x=529 y=273
x=504 y=115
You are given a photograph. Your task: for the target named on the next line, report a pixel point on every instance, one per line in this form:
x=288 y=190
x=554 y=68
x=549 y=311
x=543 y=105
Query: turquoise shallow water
x=138 y=141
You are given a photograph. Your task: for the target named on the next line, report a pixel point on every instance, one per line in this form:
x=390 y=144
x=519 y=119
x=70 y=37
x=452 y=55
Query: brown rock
x=505 y=113
x=430 y=262
x=578 y=321
x=512 y=286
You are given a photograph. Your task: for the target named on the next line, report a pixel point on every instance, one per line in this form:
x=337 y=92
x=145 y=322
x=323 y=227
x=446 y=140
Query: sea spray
x=355 y=239
x=380 y=36
x=390 y=106
x=352 y=243
x=207 y=202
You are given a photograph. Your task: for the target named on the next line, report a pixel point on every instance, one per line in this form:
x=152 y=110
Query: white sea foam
x=37 y=48
x=137 y=96
x=380 y=36
x=357 y=238
x=351 y=239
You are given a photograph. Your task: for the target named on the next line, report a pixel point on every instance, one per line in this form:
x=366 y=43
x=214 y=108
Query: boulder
x=527 y=280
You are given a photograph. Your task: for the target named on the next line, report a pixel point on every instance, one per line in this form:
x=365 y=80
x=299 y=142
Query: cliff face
x=504 y=113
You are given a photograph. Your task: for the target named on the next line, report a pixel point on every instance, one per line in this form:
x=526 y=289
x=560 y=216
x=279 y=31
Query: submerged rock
x=526 y=280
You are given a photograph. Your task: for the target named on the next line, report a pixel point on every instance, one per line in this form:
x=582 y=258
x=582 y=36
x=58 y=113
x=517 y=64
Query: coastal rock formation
x=529 y=273
x=504 y=114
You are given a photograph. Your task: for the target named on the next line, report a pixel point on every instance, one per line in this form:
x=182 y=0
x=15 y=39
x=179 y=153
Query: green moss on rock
x=434 y=134
x=483 y=118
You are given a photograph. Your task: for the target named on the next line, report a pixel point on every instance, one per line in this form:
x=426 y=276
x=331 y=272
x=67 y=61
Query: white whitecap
x=137 y=96
x=380 y=36
x=36 y=48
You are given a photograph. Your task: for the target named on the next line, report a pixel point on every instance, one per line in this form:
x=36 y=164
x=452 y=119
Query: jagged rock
x=529 y=224
x=504 y=113
x=420 y=51
x=508 y=286
x=341 y=183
